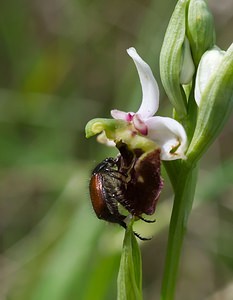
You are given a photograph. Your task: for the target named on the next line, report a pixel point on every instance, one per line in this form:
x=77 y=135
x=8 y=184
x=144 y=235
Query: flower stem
x=184 y=195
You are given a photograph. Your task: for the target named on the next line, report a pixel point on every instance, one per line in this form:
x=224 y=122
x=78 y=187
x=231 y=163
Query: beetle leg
x=140 y=237
x=146 y=220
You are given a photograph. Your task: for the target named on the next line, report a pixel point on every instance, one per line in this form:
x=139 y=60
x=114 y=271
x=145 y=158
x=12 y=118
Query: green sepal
x=215 y=108
x=129 y=281
x=96 y=126
x=116 y=131
x=200 y=29
x=171 y=58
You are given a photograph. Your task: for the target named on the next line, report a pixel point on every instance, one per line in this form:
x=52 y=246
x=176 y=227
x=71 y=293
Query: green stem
x=184 y=195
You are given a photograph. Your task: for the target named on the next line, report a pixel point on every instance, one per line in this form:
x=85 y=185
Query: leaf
x=129 y=283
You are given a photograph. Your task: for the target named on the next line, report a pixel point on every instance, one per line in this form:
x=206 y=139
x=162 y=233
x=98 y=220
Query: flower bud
x=176 y=66
x=200 y=28
x=214 y=92
x=208 y=66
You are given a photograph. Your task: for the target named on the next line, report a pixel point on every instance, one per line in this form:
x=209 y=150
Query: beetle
x=114 y=181
x=106 y=188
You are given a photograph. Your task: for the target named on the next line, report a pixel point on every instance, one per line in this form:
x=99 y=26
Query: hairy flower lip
x=145 y=184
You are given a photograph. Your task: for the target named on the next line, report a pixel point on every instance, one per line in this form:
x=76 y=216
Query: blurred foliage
x=62 y=64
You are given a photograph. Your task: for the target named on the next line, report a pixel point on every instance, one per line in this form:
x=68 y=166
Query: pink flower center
x=129 y=117
x=140 y=125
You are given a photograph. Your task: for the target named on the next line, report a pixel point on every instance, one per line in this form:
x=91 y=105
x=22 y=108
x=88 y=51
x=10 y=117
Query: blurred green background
x=63 y=63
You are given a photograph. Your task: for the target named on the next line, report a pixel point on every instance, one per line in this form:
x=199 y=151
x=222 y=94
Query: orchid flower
x=167 y=133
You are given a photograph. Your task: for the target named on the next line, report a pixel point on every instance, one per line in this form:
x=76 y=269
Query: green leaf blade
x=129 y=283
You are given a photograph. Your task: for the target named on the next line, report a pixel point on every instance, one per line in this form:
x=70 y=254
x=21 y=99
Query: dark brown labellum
x=145 y=184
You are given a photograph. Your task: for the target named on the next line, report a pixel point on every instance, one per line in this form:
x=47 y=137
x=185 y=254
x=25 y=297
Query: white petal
x=169 y=135
x=208 y=66
x=150 y=90
x=121 y=115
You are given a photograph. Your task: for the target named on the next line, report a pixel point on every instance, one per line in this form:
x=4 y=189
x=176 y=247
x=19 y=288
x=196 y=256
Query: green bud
x=215 y=86
x=187 y=65
x=200 y=28
x=208 y=68
x=175 y=59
